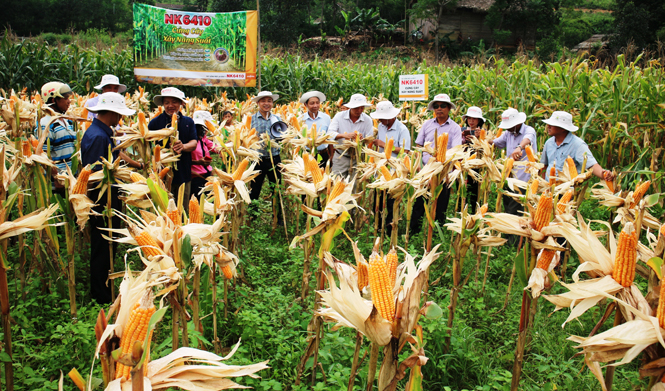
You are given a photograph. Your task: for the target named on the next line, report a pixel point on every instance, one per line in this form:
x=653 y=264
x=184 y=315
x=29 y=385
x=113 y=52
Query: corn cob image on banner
x=194 y=48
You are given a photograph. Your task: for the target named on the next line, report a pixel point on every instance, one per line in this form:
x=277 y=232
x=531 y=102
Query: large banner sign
x=194 y=48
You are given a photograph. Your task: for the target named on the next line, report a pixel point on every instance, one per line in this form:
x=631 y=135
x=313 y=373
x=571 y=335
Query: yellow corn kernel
x=563 y=202
x=610 y=185
x=158 y=153
x=552 y=176
x=216 y=191
x=392 y=262
x=483 y=210
x=388 y=150
x=543 y=213
x=529 y=153
x=382 y=288
x=499 y=133
x=534 y=186
x=25 y=145
x=639 y=193
x=363 y=274
x=482 y=135
x=136 y=329
x=660 y=312
x=337 y=190
x=164 y=171
x=195 y=211
x=572 y=169
x=174 y=121
x=312 y=133
x=237 y=175
x=507 y=167
x=136 y=177
x=315 y=170
x=228 y=273
x=386 y=173
x=626 y=256
x=148 y=244
x=407 y=162
x=545 y=259
x=81 y=186
x=174 y=215
x=441 y=147
x=662 y=230
x=143 y=123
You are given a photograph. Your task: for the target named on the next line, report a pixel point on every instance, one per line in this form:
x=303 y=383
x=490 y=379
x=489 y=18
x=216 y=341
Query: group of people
x=351 y=123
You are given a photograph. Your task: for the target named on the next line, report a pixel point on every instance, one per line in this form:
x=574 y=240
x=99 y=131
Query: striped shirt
x=62 y=138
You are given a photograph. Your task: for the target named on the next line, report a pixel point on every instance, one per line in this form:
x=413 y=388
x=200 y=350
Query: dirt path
x=191 y=65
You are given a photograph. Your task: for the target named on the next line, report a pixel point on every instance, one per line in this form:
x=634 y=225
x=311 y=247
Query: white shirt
x=322 y=122
x=398 y=132
x=342 y=123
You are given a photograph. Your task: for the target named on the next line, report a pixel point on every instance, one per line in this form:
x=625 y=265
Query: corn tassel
x=392 y=262
x=543 y=213
x=563 y=202
x=81 y=186
x=572 y=169
x=441 y=148
x=237 y=175
x=148 y=244
x=545 y=259
x=135 y=330
x=195 y=211
x=529 y=153
x=389 y=148
x=382 y=288
x=626 y=256
x=639 y=193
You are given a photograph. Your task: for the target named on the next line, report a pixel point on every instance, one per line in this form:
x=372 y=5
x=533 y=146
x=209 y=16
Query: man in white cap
x=172 y=99
x=95 y=145
x=262 y=121
x=61 y=134
x=563 y=143
x=390 y=128
x=344 y=125
x=312 y=101
x=516 y=137
x=109 y=83
x=440 y=124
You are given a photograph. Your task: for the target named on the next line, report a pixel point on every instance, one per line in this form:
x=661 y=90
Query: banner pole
x=258 y=44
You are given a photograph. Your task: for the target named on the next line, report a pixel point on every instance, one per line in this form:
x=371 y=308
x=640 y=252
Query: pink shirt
x=198 y=154
x=431 y=127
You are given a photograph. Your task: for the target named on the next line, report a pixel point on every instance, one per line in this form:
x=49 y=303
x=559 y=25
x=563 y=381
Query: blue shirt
x=322 y=122
x=510 y=141
x=398 y=132
x=62 y=138
x=186 y=133
x=96 y=143
x=572 y=146
x=262 y=125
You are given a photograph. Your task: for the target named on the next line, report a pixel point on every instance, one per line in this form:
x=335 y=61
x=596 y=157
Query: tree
x=433 y=10
x=641 y=22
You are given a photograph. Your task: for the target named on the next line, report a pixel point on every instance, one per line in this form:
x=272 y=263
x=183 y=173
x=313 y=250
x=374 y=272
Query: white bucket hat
x=357 y=100
x=385 y=110
x=474 y=112
x=264 y=94
x=112 y=101
x=201 y=116
x=441 y=98
x=563 y=120
x=111 y=80
x=169 y=92
x=313 y=94
x=511 y=117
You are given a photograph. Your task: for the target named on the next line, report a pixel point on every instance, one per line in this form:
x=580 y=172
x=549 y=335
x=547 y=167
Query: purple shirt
x=510 y=141
x=431 y=128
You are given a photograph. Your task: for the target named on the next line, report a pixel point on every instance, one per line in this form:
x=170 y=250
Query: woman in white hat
x=474 y=121
x=172 y=99
x=201 y=158
x=564 y=143
x=312 y=101
x=109 y=83
x=95 y=144
x=390 y=128
x=441 y=123
x=345 y=124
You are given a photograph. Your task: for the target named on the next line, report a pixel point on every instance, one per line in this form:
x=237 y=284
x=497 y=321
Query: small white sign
x=413 y=87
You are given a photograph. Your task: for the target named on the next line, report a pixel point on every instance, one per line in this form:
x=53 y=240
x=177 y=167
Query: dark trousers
x=514 y=208
x=198 y=183
x=390 y=203
x=100 y=258
x=472 y=190
x=419 y=210
x=265 y=166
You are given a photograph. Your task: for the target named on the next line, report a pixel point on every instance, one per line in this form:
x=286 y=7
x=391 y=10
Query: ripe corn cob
x=563 y=202
x=135 y=330
x=483 y=210
x=158 y=154
x=572 y=169
x=507 y=167
x=441 y=147
x=660 y=312
x=392 y=262
x=228 y=273
x=34 y=142
x=545 y=259
x=382 y=289
x=142 y=121
x=195 y=211
x=389 y=148
x=407 y=162
x=337 y=190
x=164 y=171
x=529 y=153
x=363 y=274
x=313 y=134
x=315 y=170
x=81 y=186
x=27 y=151
x=626 y=256
x=639 y=193
x=216 y=191
x=386 y=174
x=543 y=213
x=534 y=187
x=174 y=121
x=136 y=177
x=499 y=133
x=148 y=244
x=662 y=230
x=482 y=135
x=610 y=185
x=552 y=175
x=174 y=215
x=237 y=175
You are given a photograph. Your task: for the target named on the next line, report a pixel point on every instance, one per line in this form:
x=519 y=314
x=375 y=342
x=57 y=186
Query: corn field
x=217 y=291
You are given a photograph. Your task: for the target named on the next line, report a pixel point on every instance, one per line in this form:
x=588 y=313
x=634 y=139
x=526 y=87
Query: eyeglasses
x=441 y=105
